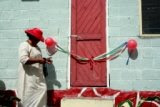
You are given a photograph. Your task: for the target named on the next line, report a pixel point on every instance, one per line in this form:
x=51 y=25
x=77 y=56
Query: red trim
x=55 y=96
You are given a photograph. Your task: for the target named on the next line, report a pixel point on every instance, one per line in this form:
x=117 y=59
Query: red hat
x=36 y=32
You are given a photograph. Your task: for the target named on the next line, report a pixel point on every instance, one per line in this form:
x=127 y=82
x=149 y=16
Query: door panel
x=88 y=24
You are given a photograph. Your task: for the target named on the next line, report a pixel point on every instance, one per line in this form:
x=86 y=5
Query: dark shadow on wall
x=2 y=85
x=133 y=54
x=51 y=77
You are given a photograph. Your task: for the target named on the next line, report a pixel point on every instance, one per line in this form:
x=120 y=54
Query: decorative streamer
x=105 y=56
x=113 y=54
x=51 y=43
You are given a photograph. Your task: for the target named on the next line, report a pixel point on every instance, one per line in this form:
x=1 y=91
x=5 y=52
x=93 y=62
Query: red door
x=88 y=25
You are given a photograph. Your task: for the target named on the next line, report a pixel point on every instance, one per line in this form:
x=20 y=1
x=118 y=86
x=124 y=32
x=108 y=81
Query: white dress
x=31 y=81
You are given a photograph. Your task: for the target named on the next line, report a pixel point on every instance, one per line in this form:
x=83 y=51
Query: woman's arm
x=25 y=59
x=39 y=60
x=35 y=60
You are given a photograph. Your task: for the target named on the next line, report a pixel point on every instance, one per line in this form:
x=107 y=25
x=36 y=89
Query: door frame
x=69 y=46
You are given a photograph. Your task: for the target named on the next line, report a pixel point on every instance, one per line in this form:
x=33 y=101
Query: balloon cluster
x=51 y=46
x=50 y=42
x=132 y=45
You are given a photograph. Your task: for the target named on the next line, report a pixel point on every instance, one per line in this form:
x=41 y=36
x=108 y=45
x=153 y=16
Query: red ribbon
x=91 y=62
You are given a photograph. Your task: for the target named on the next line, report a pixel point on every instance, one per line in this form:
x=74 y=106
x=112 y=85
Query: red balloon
x=132 y=44
x=50 y=41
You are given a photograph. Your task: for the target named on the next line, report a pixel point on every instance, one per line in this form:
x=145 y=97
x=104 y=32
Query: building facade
x=120 y=21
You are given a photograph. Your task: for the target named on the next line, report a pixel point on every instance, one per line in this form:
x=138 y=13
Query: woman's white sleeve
x=23 y=53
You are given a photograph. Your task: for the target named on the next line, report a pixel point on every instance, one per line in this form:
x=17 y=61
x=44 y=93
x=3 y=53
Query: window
x=150 y=17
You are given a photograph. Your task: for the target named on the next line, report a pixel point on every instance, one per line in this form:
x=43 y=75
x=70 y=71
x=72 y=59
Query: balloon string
x=127 y=60
x=130 y=52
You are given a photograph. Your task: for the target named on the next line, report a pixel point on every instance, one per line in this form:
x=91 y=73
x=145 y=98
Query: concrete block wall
x=52 y=16
x=142 y=73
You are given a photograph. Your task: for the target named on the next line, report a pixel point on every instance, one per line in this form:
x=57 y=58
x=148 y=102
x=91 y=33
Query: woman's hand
x=45 y=60
x=48 y=60
x=42 y=60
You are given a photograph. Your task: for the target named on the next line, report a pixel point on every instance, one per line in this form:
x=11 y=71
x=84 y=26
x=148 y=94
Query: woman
x=31 y=83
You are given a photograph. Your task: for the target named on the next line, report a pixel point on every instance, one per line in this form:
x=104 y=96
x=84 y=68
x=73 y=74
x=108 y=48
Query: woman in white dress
x=32 y=88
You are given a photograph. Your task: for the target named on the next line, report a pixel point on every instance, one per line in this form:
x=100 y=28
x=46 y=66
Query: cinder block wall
x=53 y=17
x=16 y=15
x=144 y=72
